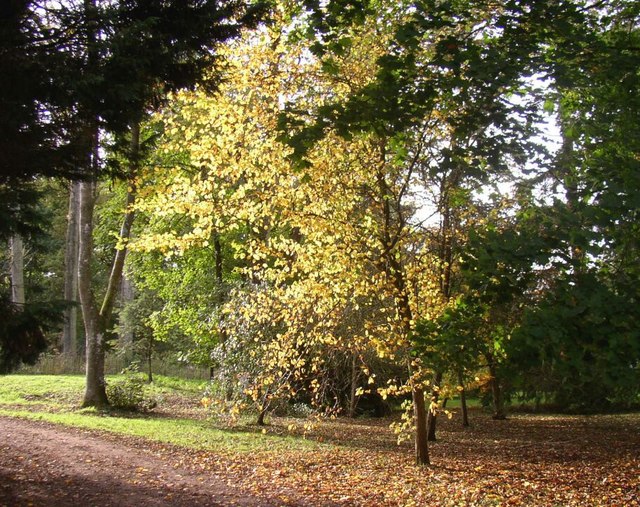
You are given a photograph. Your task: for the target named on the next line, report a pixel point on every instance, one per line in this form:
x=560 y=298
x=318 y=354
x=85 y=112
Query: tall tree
x=118 y=59
x=591 y=229
x=451 y=63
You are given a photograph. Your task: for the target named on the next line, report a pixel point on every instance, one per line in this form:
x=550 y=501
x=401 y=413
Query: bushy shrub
x=128 y=393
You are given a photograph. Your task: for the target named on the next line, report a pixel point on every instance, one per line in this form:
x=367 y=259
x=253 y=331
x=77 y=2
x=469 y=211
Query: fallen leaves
x=527 y=460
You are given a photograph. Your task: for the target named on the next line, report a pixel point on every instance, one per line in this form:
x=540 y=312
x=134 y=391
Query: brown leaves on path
x=526 y=460
x=44 y=465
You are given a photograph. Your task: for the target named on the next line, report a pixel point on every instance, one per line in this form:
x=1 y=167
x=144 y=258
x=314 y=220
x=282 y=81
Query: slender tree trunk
x=417 y=392
x=69 y=331
x=392 y=266
x=353 y=399
x=463 y=400
x=127 y=295
x=496 y=392
x=420 y=414
x=117 y=268
x=219 y=260
x=566 y=164
x=16 y=247
x=149 y=361
x=264 y=409
x=221 y=298
x=432 y=416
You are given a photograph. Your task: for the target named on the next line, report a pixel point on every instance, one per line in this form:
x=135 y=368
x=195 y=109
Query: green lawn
x=57 y=399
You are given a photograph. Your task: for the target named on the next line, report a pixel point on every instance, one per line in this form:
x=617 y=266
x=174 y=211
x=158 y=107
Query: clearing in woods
x=532 y=460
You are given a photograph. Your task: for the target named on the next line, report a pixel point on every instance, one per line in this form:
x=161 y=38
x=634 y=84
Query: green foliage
x=22 y=331
x=571 y=324
x=586 y=337
x=433 y=65
x=128 y=393
x=177 y=303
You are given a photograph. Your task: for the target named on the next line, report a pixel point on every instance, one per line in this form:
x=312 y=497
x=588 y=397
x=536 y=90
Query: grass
x=194 y=434
x=53 y=391
x=56 y=399
x=23 y=389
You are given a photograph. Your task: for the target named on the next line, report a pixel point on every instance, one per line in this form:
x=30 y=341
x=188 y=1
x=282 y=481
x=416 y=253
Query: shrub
x=128 y=393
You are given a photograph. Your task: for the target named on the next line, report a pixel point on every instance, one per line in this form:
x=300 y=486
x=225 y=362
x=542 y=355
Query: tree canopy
x=354 y=202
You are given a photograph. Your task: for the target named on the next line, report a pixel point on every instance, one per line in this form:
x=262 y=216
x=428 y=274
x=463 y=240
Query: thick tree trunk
x=96 y=321
x=16 y=247
x=463 y=401
x=69 y=331
x=95 y=389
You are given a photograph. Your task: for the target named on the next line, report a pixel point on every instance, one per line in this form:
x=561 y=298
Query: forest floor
x=527 y=460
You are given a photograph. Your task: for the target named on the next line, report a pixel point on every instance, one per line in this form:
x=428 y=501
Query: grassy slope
x=56 y=399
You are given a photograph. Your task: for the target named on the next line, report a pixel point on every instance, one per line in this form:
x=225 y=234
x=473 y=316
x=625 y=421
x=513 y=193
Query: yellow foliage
x=356 y=275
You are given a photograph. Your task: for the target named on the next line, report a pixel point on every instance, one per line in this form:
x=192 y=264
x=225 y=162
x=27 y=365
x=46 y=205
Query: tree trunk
x=96 y=321
x=69 y=331
x=263 y=409
x=127 y=295
x=463 y=401
x=420 y=414
x=432 y=416
x=16 y=247
x=149 y=361
x=496 y=392
x=353 y=398
x=95 y=390
x=221 y=297
x=117 y=268
x=392 y=266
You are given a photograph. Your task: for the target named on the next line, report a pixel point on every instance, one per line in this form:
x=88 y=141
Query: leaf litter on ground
x=527 y=460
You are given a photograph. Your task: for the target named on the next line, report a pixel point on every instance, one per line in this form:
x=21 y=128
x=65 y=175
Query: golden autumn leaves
x=326 y=260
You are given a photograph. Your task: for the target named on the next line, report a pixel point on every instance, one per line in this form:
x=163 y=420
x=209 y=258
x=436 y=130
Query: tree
x=126 y=56
x=29 y=301
x=447 y=70
x=29 y=147
x=568 y=335
x=16 y=255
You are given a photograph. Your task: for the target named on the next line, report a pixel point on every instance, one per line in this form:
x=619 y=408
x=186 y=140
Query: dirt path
x=46 y=465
